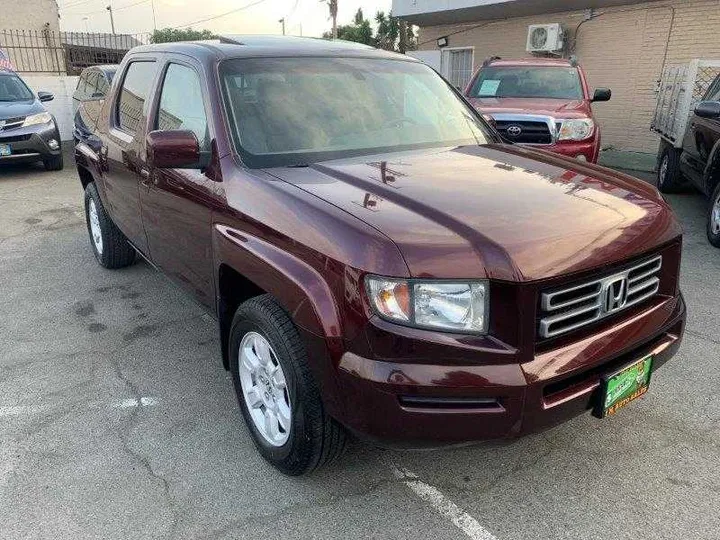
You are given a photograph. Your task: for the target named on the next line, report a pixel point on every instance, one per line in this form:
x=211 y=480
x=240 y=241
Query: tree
x=360 y=31
x=169 y=35
x=388 y=33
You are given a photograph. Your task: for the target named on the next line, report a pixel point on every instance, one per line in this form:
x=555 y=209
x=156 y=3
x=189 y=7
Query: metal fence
x=65 y=53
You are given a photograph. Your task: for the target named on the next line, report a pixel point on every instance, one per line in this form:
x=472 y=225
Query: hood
x=497 y=211
x=558 y=108
x=14 y=109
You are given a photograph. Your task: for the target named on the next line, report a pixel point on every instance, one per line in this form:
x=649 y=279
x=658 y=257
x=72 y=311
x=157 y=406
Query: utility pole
x=283 y=24
x=152 y=4
x=112 y=22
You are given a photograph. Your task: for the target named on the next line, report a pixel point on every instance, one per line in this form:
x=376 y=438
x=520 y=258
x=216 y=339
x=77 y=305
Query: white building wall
x=29 y=15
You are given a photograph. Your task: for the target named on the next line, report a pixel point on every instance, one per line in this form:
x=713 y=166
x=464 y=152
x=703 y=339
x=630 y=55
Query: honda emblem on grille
x=514 y=131
x=616 y=294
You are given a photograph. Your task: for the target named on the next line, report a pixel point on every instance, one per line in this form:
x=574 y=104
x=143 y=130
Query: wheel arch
x=248 y=266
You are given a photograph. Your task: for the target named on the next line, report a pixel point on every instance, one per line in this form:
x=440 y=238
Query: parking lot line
x=444 y=506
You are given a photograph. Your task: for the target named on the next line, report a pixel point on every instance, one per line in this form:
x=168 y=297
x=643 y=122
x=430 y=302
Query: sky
x=306 y=17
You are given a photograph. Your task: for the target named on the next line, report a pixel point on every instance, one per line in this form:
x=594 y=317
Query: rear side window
x=135 y=89
x=92 y=82
x=182 y=105
x=81 y=89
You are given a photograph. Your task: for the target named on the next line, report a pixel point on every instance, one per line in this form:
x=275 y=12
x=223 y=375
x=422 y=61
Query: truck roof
x=248 y=46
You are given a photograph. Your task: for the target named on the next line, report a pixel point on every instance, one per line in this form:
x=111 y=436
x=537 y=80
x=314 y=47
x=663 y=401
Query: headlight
x=35 y=119
x=576 y=130
x=456 y=306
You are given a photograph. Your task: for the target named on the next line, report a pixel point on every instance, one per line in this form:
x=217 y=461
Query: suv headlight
x=457 y=306
x=576 y=130
x=36 y=119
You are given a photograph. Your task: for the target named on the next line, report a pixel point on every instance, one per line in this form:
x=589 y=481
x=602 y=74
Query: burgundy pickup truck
x=379 y=262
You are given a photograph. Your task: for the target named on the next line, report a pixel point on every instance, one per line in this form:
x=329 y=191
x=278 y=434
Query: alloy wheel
x=264 y=388
x=715 y=216
x=95 y=231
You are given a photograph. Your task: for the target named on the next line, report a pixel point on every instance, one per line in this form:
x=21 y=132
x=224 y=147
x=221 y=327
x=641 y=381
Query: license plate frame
x=5 y=150
x=622 y=387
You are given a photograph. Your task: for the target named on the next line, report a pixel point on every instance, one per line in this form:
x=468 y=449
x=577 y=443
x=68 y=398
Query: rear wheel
x=713 y=218
x=54 y=163
x=669 y=176
x=111 y=248
x=276 y=390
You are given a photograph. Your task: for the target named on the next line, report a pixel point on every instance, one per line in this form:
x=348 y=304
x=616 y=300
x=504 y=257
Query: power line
x=221 y=15
x=114 y=9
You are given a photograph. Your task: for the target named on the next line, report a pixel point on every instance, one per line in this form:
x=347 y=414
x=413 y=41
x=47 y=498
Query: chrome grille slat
x=561 y=312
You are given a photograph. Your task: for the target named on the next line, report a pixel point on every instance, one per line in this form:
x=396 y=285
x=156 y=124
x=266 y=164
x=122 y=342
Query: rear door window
x=136 y=86
x=182 y=105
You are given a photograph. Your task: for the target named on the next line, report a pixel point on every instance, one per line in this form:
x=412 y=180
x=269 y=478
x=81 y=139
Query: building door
x=457 y=66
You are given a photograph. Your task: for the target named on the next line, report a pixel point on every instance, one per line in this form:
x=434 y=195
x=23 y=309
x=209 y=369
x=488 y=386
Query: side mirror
x=602 y=94
x=174 y=149
x=708 y=109
x=45 y=96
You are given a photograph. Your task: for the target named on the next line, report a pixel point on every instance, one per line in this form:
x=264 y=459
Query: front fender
x=304 y=293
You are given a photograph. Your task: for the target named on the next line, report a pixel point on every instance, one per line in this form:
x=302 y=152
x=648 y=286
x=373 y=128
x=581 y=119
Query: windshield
x=527 y=82
x=293 y=111
x=13 y=89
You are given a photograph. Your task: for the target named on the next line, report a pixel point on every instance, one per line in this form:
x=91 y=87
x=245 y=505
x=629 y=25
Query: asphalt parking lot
x=117 y=420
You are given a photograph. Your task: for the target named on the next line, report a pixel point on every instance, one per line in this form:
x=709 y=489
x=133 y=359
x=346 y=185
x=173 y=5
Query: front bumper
x=30 y=144
x=590 y=149
x=422 y=405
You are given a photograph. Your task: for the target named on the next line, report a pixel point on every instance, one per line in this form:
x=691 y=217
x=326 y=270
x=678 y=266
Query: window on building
x=457 y=66
x=182 y=105
x=135 y=89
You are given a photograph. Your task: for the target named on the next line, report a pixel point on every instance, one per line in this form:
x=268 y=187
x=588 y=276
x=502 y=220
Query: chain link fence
x=65 y=53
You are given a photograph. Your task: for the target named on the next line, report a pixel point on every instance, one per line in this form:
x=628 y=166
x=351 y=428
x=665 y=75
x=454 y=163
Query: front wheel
x=277 y=392
x=713 y=218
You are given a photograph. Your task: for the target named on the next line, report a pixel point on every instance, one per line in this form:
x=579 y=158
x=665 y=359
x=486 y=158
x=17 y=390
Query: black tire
x=314 y=438
x=669 y=177
x=116 y=251
x=54 y=163
x=713 y=223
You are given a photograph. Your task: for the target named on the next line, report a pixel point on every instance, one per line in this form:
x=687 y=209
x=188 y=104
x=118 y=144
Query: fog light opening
x=581 y=157
x=53 y=144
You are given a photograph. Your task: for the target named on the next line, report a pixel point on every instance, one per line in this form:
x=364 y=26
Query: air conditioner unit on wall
x=547 y=38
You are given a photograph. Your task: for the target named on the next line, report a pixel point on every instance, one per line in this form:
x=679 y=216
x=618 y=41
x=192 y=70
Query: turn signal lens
x=390 y=298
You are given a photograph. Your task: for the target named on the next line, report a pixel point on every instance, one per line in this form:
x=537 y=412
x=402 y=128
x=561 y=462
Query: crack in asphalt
x=292 y=509
x=144 y=461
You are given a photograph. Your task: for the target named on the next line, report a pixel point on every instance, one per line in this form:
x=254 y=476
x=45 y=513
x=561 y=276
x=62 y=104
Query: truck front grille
x=530 y=132
x=567 y=309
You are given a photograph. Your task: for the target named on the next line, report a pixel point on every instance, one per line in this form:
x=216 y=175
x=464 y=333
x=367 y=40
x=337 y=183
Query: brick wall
x=623 y=49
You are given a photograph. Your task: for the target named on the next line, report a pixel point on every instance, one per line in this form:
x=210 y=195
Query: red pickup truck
x=379 y=262
x=540 y=101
